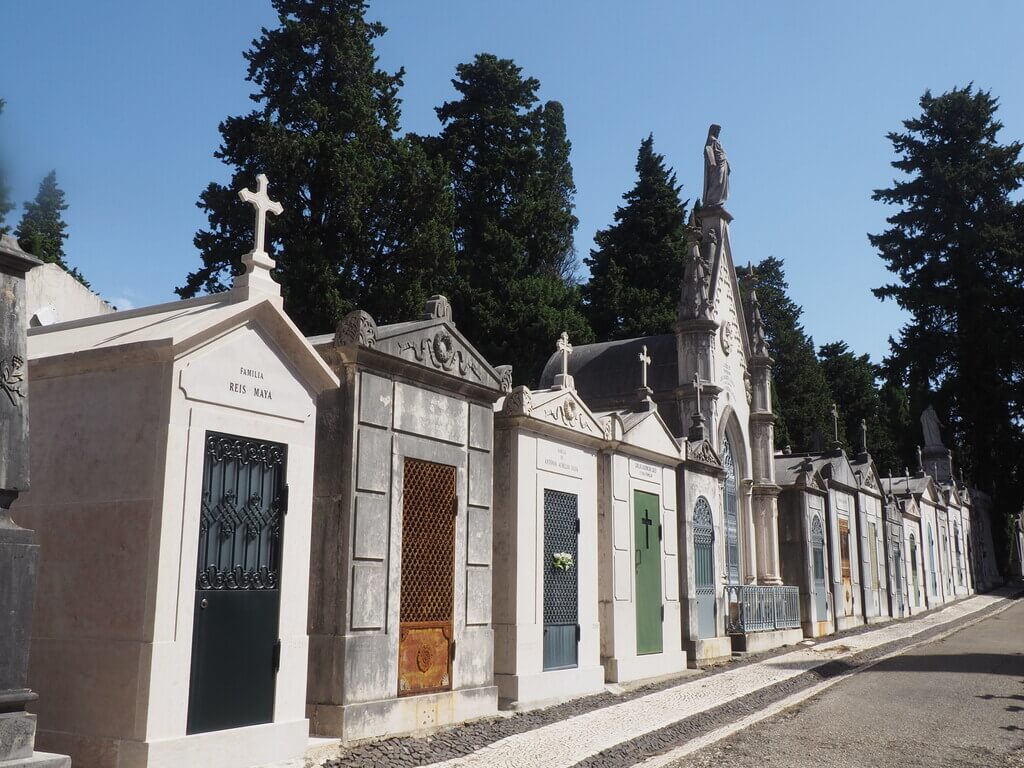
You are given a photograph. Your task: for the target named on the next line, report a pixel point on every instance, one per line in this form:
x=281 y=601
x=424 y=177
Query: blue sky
x=124 y=98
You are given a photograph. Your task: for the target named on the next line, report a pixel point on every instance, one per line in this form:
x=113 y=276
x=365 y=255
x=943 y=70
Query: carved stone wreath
x=12 y=376
x=440 y=351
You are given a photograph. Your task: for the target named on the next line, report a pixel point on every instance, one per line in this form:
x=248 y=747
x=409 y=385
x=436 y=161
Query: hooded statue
x=716 y=170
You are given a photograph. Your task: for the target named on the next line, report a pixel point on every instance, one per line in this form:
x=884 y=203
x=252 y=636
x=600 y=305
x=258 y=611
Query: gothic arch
x=729 y=426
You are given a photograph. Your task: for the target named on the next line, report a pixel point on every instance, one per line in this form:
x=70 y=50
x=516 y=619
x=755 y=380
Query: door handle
x=638 y=558
x=204 y=603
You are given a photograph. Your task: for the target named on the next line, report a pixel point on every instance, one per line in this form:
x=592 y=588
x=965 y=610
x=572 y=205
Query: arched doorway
x=732 y=544
x=818 y=558
x=704 y=568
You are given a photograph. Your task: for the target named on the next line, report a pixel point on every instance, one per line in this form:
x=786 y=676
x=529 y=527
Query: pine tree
x=42 y=230
x=6 y=204
x=367 y=215
x=508 y=156
x=802 y=400
x=637 y=268
x=956 y=245
x=852 y=381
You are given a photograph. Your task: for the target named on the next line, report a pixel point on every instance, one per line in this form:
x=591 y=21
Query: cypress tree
x=508 y=157
x=637 y=267
x=955 y=247
x=42 y=230
x=368 y=216
x=801 y=397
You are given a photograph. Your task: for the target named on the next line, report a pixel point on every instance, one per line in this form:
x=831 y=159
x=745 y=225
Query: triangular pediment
x=437 y=345
x=838 y=470
x=645 y=430
x=702 y=452
x=867 y=476
x=559 y=407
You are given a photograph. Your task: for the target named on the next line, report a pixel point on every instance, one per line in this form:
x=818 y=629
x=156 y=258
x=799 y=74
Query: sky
x=124 y=99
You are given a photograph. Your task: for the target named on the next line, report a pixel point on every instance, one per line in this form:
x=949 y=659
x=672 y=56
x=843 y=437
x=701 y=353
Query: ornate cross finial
x=863 y=436
x=565 y=348
x=835 y=421
x=261 y=201
x=920 y=460
x=645 y=360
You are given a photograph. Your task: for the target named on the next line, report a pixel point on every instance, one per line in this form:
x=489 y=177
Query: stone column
x=748 y=533
x=762 y=439
x=19 y=552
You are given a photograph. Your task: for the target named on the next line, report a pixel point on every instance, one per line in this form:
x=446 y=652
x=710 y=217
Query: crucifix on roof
x=645 y=360
x=257 y=262
x=563 y=380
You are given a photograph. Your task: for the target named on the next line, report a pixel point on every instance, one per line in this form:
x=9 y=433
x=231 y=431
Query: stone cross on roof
x=835 y=421
x=645 y=360
x=257 y=262
x=563 y=380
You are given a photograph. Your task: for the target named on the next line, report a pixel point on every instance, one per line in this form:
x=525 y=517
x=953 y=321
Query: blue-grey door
x=704 y=567
x=235 y=647
x=732 y=541
x=818 y=564
x=561 y=582
x=897 y=562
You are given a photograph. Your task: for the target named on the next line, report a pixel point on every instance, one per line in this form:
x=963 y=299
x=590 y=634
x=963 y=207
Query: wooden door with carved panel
x=844 y=560
x=426 y=645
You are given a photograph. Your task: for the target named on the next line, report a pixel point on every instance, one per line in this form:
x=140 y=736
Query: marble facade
x=400 y=586
x=547 y=635
x=132 y=413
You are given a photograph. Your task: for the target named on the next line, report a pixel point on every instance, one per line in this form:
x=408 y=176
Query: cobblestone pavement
x=621 y=730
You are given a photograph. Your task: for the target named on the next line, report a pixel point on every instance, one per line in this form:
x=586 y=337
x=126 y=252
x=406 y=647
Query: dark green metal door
x=561 y=581
x=647 y=561
x=235 y=647
x=704 y=568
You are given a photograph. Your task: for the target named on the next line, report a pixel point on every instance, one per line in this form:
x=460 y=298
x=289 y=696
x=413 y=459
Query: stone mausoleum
x=547 y=637
x=400 y=592
x=172 y=459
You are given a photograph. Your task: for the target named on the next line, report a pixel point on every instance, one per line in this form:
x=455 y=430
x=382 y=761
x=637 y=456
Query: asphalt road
x=957 y=702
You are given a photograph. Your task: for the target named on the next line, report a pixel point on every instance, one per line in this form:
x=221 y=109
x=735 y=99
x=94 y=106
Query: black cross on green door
x=647 y=563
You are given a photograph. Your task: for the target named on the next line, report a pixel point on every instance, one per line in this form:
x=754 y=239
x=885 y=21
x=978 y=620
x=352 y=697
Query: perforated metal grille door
x=425 y=641
x=561 y=586
x=428 y=542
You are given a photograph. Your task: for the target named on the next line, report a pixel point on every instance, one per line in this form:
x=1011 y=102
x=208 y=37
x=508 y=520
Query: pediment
x=702 y=452
x=647 y=430
x=560 y=407
x=839 y=470
x=434 y=344
x=244 y=369
x=868 y=478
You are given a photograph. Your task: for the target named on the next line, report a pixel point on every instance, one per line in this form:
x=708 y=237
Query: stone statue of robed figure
x=716 y=171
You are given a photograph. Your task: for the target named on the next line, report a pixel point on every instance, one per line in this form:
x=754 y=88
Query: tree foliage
x=802 y=400
x=42 y=229
x=955 y=247
x=368 y=216
x=852 y=381
x=637 y=267
x=508 y=159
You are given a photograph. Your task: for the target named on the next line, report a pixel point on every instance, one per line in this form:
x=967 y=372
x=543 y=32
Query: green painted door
x=647 y=561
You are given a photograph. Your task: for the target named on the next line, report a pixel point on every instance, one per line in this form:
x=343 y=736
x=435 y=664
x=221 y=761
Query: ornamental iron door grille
x=818 y=557
x=704 y=568
x=898 y=576
x=913 y=570
x=647 y=561
x=844 y=558
x=931 y=560
x=732 y=545
x=959 y=556
x=235 y=645
x=561 y=584
x=426 y=645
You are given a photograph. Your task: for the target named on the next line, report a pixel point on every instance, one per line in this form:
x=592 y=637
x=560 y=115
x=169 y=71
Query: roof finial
x=257 y=262
x=563 y=380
